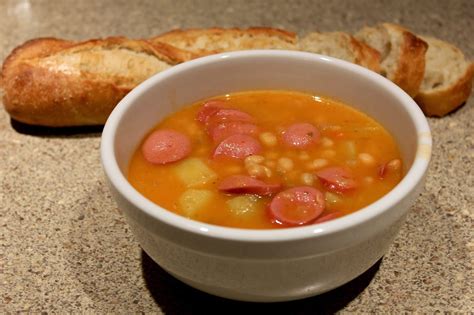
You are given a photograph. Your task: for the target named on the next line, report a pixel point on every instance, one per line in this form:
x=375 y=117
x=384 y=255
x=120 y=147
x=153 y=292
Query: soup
x=266 y=159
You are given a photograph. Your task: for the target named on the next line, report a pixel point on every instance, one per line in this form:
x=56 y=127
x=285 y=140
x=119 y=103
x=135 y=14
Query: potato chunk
x=243 y=205
x=194 y=200
x=194 y=172
x=332 y=198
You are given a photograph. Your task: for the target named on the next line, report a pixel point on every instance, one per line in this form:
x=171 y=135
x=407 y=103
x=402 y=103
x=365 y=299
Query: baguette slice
x=54 y=82
x=448 y=78
x=402 y=54
x=342 y=46
x=215 y=40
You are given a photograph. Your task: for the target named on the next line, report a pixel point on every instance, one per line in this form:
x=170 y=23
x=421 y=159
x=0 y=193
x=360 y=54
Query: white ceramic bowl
x=265 y=265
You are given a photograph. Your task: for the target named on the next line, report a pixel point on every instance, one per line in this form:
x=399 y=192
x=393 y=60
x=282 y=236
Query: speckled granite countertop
x=65 y=247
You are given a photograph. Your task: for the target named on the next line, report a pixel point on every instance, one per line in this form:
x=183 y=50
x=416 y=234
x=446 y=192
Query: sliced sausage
x=297 y=206
x=238 y=147
x=224 y=130
x=228 y=114
x=166 y=146
x=208 y=109
x=337 y=179
x=300 y=135
x=382 y=170
x=328 y=217
x=391 y=166
x=242 y=184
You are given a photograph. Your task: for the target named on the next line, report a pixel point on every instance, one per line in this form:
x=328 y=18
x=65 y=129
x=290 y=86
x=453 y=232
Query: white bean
x=257 y=159
x=326 y=142
x=285 y=164
x=268 y=139
x=268 y=171
x=255 y=170
x=307 y=179
x=366 y=158
x=319 y=163
x=259 y=171
x=394 y=164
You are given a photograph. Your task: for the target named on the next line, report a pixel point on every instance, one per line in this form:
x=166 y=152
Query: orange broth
x=349 y=138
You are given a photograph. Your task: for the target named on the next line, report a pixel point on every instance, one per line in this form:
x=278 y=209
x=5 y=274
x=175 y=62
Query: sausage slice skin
x=337 y=179
x=297 y=205
x=238 y=147
x=208 y=109
x=300 y=135
x=223 y=130
x=166 y=146
x=242 y=184
x=226 y=115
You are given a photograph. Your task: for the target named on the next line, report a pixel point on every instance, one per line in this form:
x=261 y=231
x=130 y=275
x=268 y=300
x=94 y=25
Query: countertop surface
x=65 y=247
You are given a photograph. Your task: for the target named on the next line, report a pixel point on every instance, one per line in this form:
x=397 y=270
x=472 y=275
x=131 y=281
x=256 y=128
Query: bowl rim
x=412 y=178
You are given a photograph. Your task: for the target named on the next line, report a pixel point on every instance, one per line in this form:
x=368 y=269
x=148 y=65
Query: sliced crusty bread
x=215 y=40
x=209 y=41
x=54 y=82
x=342 y=46
x=448 y=78
x=402 y=54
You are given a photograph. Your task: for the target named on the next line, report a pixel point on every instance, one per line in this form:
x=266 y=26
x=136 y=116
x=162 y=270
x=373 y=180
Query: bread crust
x=441 y=102
x=403 y=54
x=40 y=87
x=366 y=56
x=343 y=46
x=447 y=83
x=411 y=64
x=44 y=85
x=215 y=40
x=41 y=97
